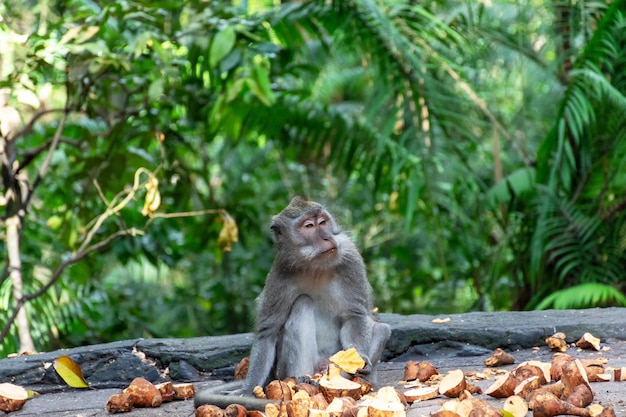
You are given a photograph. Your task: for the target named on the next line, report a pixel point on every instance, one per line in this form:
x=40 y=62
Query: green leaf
x=70 y=372
x=156 y=89
x=222 y=44
x=260 y=86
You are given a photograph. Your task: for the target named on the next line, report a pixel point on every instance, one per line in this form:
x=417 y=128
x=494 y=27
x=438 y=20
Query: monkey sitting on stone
x=316 y=301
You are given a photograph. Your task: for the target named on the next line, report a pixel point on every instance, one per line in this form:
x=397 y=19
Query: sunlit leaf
x=222 y=44
x=229 y=233
x=70 y=372
x=153 y=197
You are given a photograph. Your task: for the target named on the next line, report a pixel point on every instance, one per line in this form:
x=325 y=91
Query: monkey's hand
x=367 y=369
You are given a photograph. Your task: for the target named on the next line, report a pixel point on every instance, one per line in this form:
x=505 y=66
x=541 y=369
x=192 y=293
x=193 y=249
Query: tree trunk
x=13 y=225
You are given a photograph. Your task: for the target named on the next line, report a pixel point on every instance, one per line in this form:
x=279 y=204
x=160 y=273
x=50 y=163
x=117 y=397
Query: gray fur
x=316 y=301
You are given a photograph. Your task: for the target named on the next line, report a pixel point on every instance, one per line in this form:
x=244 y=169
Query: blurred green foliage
x=475 y=150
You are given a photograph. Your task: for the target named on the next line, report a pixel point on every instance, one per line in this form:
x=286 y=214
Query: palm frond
x=592 y=84
x=586 y=295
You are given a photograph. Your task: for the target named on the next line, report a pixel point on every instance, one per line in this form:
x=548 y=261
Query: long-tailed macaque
x=316 y=301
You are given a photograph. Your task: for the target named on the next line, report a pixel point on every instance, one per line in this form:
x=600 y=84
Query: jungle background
x=475 y=150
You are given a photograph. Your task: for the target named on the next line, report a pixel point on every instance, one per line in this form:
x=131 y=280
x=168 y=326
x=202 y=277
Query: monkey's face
x=316 y=232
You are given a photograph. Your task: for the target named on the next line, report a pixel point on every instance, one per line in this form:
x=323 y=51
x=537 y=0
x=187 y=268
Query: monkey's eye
x=321 y=221
x=308 y=224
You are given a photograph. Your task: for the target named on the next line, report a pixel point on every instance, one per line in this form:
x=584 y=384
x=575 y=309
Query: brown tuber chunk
x=278 y=390
x=184 y=391
x=119 y=403
x=546 y=404
x=235 y=410
x=527 y=370
x=308 y=388
x=334 y=385
x=516 y=405
x=499 y=358
x=12 y=397
x=573 y=375
x=410 y=370
x=557 y=342
x=556 y=366
x=582 y=396
x=425 y=371
x=453 y=384
x=209 y=410
x=525 y=388
x=167 y=391
x=421 y=394
x=241 y=371
x=485 y=410
x=503 y=387
x=619 y=374
x=144 y=393
x=588 y=341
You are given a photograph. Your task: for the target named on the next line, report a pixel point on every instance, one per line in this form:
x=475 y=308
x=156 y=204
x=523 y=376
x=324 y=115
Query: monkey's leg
x=380 y=335
x=298 y=352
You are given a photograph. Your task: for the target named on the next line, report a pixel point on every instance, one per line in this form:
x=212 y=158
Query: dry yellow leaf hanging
x=153 y=197
x=349 y=360
x=70 y=372
x=229 y=233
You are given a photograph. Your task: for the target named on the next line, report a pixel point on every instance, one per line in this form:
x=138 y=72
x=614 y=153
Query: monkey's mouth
x=330 y=251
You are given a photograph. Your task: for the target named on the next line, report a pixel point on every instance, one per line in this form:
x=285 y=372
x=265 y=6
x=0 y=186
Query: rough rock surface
x=462 y=342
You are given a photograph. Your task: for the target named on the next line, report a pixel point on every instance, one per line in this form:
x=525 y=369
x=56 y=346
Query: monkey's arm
x=367 y=336
x=214 y=396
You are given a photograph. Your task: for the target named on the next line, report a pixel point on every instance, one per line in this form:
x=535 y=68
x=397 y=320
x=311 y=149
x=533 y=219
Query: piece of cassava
x=516 y=405
x=557 y=342
x=619 y=374
x=119 y=403
x=241 y=371
x=573 y=375
x=276 y=410
x=444 y=413
x=527 y=370
x=235 y=410
x=527 y=386
x=366 y=386
x=278 y=390
x=338 y=405
x=349 y=360
x=588 y=341
x=410 y=370
x=581 y=396
x=503 y=387
x=209 y=410
x=12 y=397
x=184 y=391
x=298 y=407
x=499 y=357
x=338 y=386
x=556 y=366
x=385 y=409
x=425 y=371
x=308 y=388
x=453 y=383
x=485 y=410
x=421 y=394
x=144 y=393
x=167 y=390
x=313 y=412
x=544 y=366
x=546 y=404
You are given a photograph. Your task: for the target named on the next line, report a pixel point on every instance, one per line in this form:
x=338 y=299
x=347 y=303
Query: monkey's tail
x=210 y=397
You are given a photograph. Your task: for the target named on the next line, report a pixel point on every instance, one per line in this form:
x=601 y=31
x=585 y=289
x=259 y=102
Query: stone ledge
x=115 y=364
